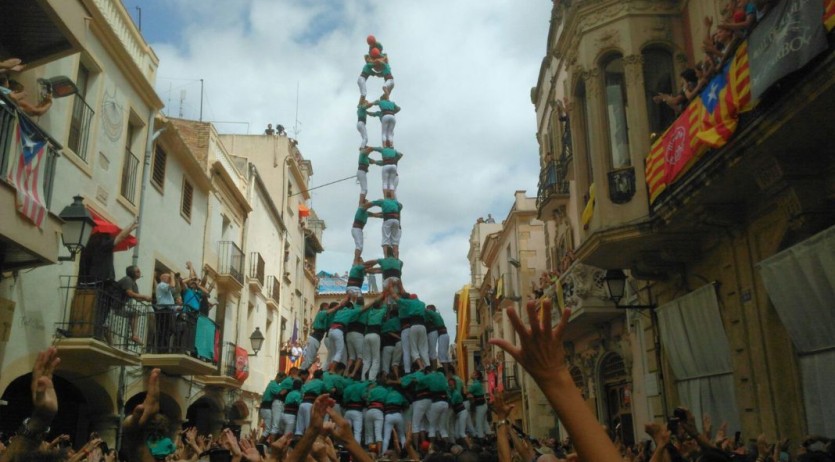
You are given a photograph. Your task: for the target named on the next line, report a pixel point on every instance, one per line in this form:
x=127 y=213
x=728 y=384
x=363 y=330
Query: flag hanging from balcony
x=785 y=40
x=675 y=150
x=727 y=95
x=829 y=14
x=241 y=364
x=27 y=172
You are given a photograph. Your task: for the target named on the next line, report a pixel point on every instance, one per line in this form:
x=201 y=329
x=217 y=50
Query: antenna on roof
x=296 y=124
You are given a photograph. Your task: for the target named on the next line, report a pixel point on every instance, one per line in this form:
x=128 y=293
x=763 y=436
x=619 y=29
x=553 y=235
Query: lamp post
x=616 y=283
x=256 y=340
x=78 y=225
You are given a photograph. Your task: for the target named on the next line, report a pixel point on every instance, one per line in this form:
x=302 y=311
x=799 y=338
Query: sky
x=463 y=74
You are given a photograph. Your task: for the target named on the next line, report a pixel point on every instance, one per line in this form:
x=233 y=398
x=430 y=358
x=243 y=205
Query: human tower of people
x=388 y=358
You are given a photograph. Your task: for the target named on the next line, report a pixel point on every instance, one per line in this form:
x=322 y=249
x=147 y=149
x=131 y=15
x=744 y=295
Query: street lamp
x=256 y=340
x=78 y=224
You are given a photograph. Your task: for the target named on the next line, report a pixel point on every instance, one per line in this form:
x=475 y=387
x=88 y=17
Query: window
x=130 y=166
x=158 y=174
x=185 y=202
x=585 y=122
x=658 y=78
x=616 y=107
x=82 y=114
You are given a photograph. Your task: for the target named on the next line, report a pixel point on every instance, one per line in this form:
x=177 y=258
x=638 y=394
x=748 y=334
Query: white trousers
x=481 y=421
x=288 y=424
x=433 y=344
x=276 y=410
x=389 y=84
x=363 y=133
x=310 y=352
x=354 y=343
x=470 y=428
x=389 y=177
x=338 y=343
x=392 y=355
x=362 y=179
x=373 y=426
x=266 y=414
x=371 y=356
x=443 y=349
x=407 y=349
x=419 y=343
x=388 y=121
x=356 y=233
x=361 y=84
x=303 y=419
x=436 y=411
x=420 y=409
x=355 y=418
x=391 y=232
x=393 y=421
x=461 y=424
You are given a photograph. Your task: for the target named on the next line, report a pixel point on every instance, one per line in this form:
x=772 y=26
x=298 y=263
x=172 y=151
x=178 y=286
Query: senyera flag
x=102 y=225
x=27 y=171
x=675 y=151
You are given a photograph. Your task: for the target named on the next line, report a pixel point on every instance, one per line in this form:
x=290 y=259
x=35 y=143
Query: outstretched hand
x=44 y=398
x=540 y=349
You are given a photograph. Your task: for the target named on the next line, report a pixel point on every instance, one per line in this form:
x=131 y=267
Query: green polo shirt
x=314 y=387
x=293 y=398
x=346 y=315
x=320 y=322
x=395 y=398
x=436 y=382
x=375 y=316
x=408 y=307
x=286 y=384
x=271 y=392
x=392 y=326
x=333 y=382
x=355 y=393
x=456 y=398
x=357 y=271
x=459 y=384
x=387 y=105
x=377 y=394
x=368 y=69
x=411 y=379
x=435 y=318
x=476 y=389
x=388 y=206
x=364 y=159
x=390 y=263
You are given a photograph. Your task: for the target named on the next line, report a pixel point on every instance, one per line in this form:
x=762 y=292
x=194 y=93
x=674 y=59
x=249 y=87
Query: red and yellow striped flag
x=726 y=96
x=675 y=151
x=829 y=14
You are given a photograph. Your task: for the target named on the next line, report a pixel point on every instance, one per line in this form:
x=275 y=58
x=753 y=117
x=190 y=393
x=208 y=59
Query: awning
x=104 y=226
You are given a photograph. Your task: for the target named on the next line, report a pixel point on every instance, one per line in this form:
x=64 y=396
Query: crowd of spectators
x=738 y=18
x=330 y=437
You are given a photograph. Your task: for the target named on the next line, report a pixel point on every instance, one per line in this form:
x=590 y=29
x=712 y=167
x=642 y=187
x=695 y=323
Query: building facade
x=699 y=247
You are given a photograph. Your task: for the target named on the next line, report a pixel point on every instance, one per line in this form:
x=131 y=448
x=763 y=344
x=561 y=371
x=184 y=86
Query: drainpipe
x=149 y=150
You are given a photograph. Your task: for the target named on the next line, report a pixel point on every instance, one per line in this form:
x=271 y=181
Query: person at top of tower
x=387 y=110
x=375 y=51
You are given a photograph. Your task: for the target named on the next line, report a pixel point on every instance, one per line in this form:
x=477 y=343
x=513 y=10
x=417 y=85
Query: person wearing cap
x=476 y=389
x=362 y=114
x=387 y=111
x=390 y=340
x=314 y=340
x=309 y=391
x=390 y=158
x=376 y=69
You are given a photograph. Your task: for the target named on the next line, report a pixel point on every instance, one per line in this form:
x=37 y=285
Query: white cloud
x=463 y=72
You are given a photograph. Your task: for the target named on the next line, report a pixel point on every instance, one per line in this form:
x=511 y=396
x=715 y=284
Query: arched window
x=581 y=107
x=658 y=78
x=616 y=107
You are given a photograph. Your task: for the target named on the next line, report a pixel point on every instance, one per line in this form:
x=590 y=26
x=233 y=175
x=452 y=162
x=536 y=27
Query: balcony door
x=617 y=398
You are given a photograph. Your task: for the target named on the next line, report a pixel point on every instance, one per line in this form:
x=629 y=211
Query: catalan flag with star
x=676 y=150
x=726 y=96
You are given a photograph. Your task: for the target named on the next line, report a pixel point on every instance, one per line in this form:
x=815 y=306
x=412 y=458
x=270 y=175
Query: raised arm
x=542 y=354
x=125 y=232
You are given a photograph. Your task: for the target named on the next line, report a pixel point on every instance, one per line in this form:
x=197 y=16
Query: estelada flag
x=727 y=95
x=675 y=151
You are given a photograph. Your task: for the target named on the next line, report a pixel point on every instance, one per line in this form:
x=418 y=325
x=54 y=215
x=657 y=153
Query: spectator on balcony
x=18 y=95
x=165 y=314
x=269 y=131
x=689 y=89
x=130 y=291
x=715 y=45
x=745 y=15
x=490 y=218
x=96 y=263
x=10 y=65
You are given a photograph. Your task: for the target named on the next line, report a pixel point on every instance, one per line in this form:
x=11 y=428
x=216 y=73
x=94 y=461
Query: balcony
x=313 y=236
x=230 y=272
x=181 y=343
x=511 y=379
x=584 y=291
x=553 y=191
x=99 y=327
x=256 y=272
x=31 y=31
x=130 y=168
x=310 y=271
x=224 y=375
x=22 y=243
x=273 y=292
x=82 y=115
